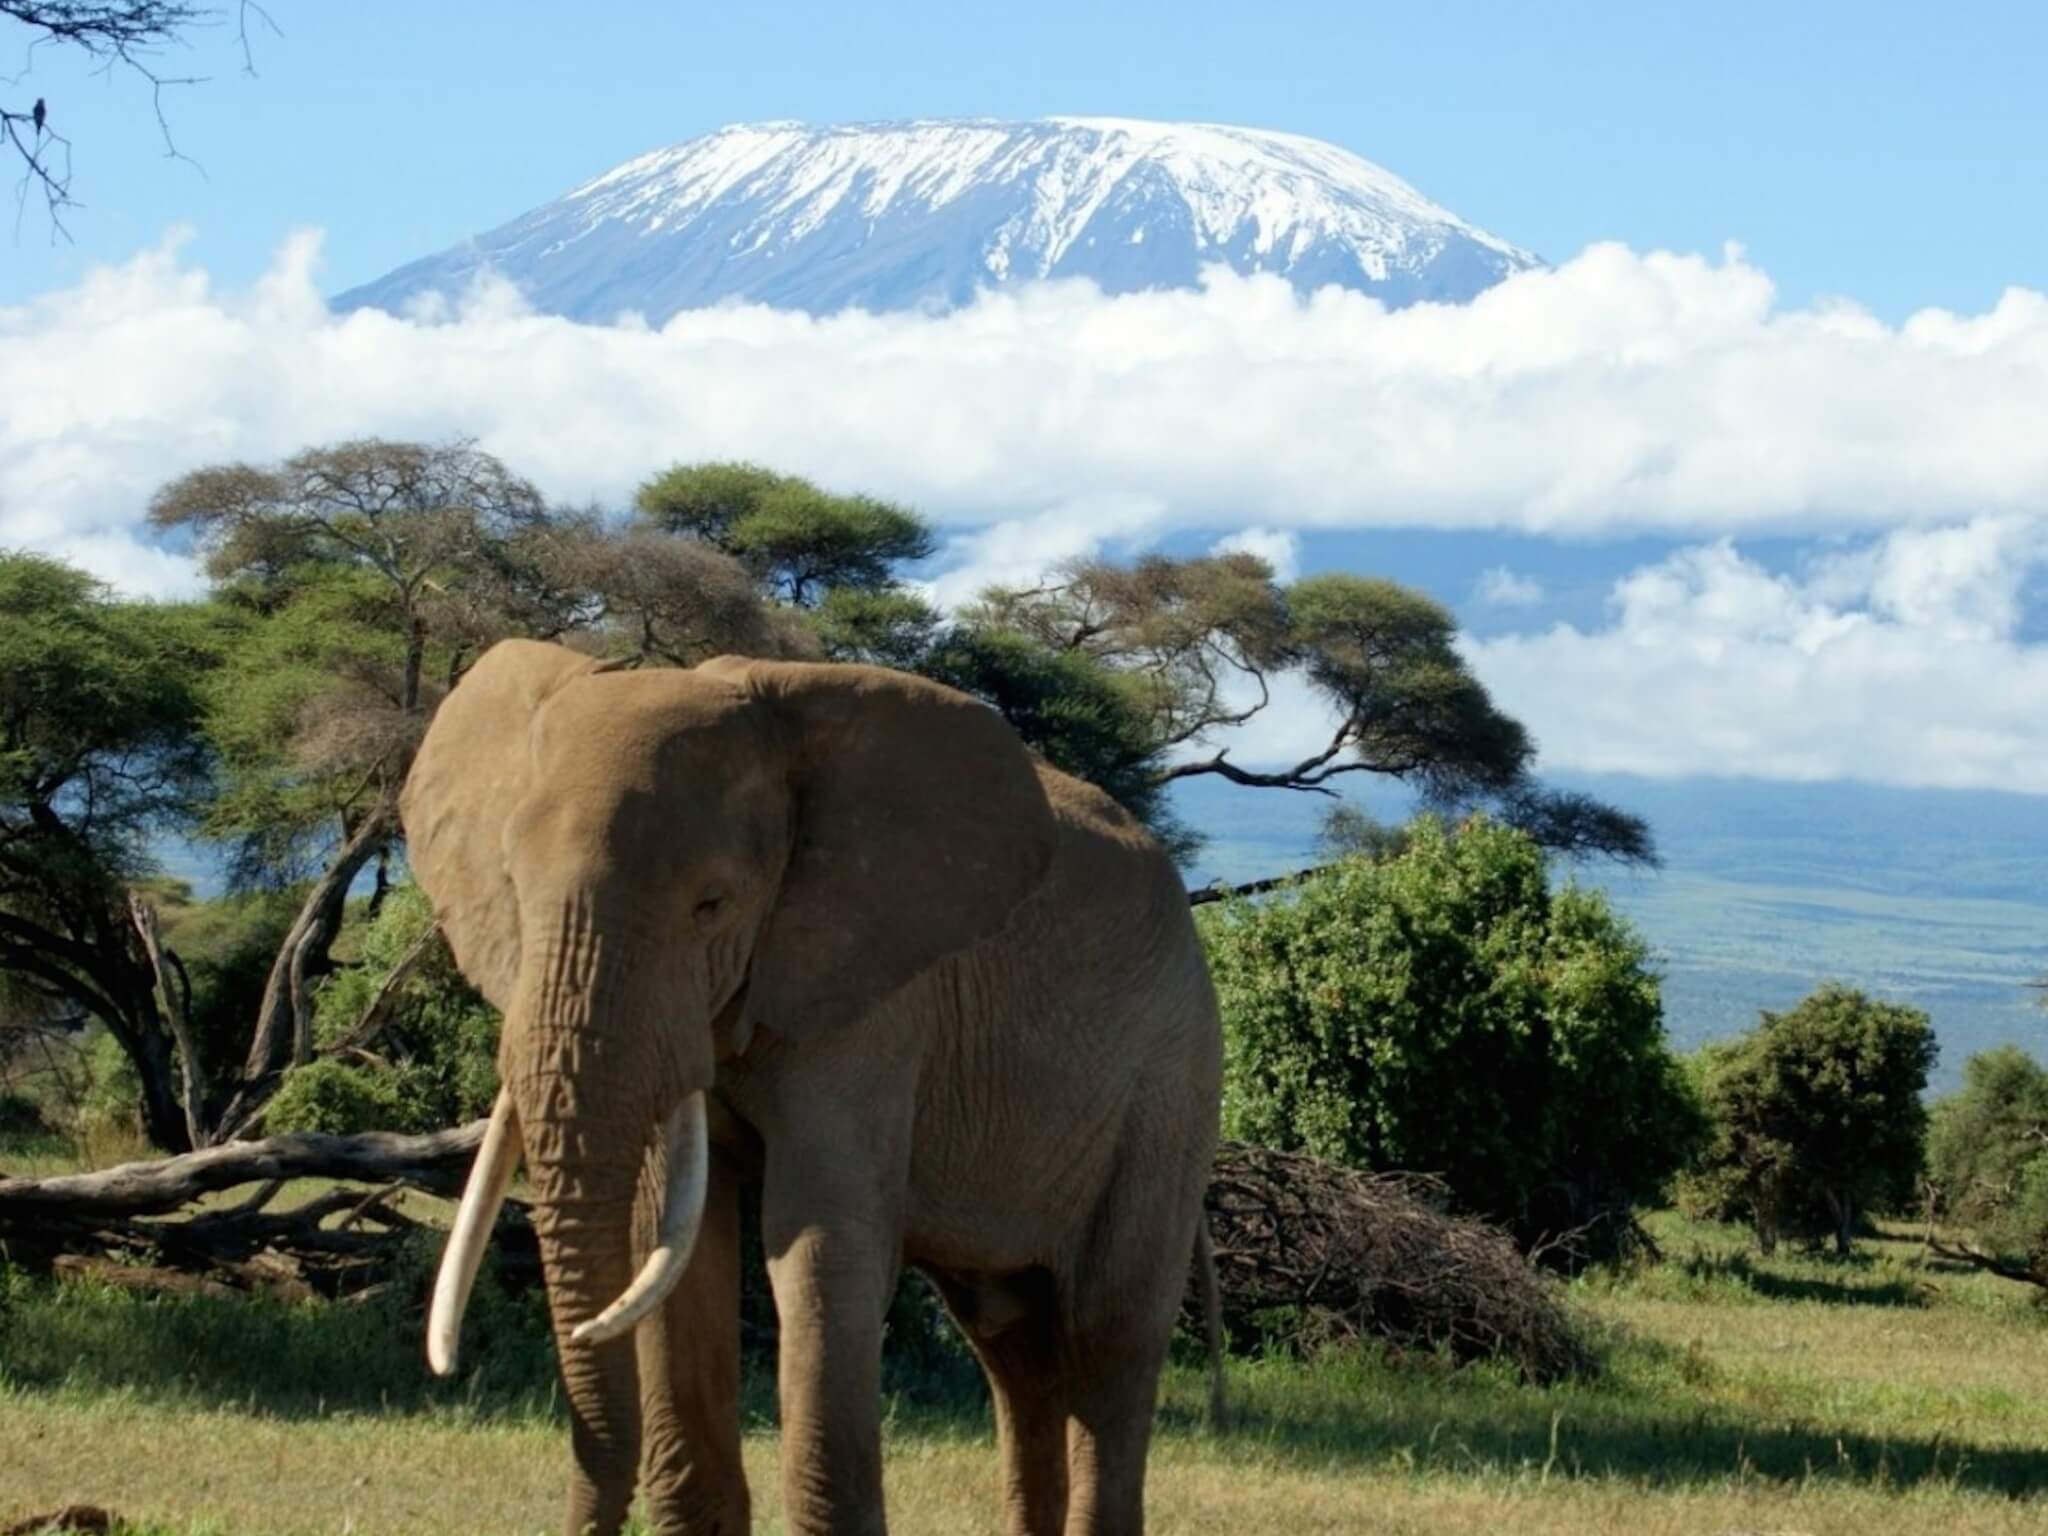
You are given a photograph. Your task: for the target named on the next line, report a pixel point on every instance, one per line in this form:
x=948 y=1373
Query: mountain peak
x=925 y=214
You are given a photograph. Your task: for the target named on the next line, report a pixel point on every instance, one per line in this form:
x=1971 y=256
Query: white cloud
x=1016 y=551
x=1899 y=664
x=1616 y=392
x=1499 y=587
x=1276 y=546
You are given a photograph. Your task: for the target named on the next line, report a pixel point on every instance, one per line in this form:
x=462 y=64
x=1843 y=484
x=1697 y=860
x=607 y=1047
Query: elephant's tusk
x=682 y=1212
x=489 y=1177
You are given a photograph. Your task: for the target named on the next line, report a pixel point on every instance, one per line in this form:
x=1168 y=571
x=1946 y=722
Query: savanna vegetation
x=1459 y=1295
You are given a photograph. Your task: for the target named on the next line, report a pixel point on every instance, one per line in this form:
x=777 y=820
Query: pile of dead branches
x=1310 y=1253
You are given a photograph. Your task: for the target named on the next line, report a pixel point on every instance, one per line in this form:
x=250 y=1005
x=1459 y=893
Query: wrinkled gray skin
x=947 y=1002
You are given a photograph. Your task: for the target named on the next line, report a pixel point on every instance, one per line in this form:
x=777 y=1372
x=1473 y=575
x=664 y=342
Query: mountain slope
x=923 y=215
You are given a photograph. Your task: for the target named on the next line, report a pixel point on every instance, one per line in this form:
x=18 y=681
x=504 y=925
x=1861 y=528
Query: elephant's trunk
x=582 y=1213
x=687 y=1158
x=588 y=1083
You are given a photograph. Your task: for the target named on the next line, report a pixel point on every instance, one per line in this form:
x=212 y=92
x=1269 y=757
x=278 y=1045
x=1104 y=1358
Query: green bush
x=1443 y=1010
x=337 y=1097
x=1817 y=1119
x=112 y=1096
x=437 y=1050
x=1987 y=1157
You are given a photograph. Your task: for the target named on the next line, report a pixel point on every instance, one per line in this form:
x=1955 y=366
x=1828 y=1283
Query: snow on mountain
x=922 y=215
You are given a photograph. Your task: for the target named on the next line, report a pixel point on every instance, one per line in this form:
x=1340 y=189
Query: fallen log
x=1203 y=895
x=437 y=1163
x=133 y=1225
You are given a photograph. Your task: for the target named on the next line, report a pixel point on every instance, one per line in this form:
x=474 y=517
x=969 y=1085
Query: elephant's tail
x=1212 y=1322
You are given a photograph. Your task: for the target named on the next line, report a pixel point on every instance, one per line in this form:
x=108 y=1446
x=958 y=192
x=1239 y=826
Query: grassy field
x=1741 y=1397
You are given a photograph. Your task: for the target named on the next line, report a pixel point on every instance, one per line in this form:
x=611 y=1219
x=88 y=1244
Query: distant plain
x=1938 y=898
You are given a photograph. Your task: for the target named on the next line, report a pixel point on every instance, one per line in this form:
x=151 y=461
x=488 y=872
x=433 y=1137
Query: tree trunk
x=284 y=1020
x=1842 y=1206
x=174 y=1004
x=163 y=1109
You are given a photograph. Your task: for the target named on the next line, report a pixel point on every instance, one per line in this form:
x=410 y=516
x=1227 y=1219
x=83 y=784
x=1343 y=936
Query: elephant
x=835 y=928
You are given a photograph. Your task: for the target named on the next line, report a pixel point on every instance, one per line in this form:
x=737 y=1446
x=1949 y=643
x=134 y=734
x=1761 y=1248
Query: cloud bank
x=1898 y=663
x=1619 y=393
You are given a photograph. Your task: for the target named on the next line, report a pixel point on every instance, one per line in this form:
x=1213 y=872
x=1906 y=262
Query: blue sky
x=1892 y=153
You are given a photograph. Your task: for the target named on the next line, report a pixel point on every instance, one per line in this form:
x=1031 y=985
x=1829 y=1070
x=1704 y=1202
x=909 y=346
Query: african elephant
x=835 y=926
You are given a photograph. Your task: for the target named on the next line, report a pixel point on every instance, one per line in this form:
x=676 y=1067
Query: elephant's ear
x=920 y=825
x=473 y=768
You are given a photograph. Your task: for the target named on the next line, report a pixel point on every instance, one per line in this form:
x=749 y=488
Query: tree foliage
x=1200 y=642
x=1442 y=1010
x=100 y=702
x=800 y=542
x=1817 y=1117
x=400 y=1007
x=1987 y=1160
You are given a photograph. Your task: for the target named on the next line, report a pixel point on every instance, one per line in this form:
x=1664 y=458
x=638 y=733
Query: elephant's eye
x=709 y=908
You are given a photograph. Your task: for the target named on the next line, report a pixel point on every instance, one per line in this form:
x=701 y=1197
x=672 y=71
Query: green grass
x=1740 y=1395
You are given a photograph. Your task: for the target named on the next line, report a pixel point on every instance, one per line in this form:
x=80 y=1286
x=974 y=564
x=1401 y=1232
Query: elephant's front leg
x=829 y=1226
x=691 y=1473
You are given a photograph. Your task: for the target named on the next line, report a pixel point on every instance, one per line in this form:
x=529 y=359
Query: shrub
x=1987 y=1158
x=1816 y=1117
x=337 y=1097
x=1442 y=1010
x=438 y=1043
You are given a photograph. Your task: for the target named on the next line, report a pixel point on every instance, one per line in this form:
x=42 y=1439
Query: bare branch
x=120 y=35
x=177 y=1014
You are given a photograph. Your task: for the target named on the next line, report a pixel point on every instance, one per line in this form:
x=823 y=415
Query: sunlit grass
x=1799 y=1394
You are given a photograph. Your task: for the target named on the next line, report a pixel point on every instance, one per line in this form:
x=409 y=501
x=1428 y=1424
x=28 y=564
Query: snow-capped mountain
x=922 y=215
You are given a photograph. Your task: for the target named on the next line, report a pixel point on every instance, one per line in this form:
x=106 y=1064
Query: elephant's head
x=642 y=869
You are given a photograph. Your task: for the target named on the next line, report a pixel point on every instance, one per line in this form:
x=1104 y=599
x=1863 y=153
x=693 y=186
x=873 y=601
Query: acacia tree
x=799 y=542
x=100 y=754
x=1206 y=637
x=357 y=582
x=343 y=570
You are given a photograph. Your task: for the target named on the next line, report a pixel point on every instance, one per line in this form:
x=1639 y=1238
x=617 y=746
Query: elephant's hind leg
x=1013 y=1324
x=1112 y=1388
x=691 y=1472
x=1116 y=1328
